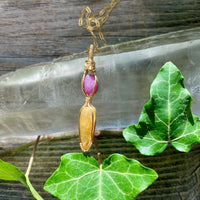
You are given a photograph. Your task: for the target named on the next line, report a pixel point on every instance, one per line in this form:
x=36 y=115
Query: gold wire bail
x=91 y=52
x=90 y=64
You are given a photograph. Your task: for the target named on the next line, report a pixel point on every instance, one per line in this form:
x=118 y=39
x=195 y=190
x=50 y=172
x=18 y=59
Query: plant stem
x=31 y=188
x=32 y=157
x=98 y=153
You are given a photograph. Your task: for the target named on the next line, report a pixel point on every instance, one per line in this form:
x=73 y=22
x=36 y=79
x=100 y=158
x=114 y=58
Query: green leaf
x=79 y=177
x=9 y=172
x=167 y=117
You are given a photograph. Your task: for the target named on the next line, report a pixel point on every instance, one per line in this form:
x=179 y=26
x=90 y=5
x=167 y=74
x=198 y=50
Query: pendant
x=87 y=116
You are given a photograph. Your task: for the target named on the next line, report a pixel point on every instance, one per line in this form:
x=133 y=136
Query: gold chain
x=95 y=21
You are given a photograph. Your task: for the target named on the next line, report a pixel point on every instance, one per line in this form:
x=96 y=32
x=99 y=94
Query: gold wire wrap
x=87 y=116
x=94 y=22
x=89 y=68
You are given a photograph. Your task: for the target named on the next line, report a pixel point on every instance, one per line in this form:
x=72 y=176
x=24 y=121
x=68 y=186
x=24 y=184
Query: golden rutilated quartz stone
x=87 y=123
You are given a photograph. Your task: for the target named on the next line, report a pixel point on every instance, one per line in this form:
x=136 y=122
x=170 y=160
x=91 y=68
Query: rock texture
x=33 y=31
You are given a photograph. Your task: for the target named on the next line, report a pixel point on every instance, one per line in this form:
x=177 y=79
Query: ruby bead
x=89 y=83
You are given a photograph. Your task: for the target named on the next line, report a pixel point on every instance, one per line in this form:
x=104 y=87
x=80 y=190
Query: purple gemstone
x=88 y=84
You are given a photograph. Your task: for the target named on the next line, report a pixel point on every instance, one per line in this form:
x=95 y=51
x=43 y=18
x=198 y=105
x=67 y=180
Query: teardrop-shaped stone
x=87 y=122
x=89 y=83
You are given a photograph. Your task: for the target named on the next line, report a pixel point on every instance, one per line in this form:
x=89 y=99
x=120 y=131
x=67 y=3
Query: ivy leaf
x=167 y=117
x=9 y=172
x=80 y=177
